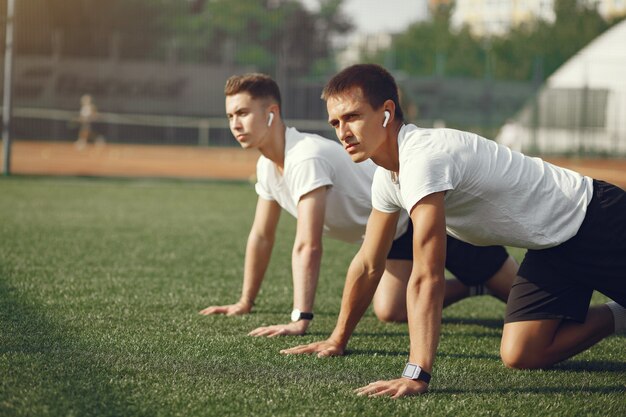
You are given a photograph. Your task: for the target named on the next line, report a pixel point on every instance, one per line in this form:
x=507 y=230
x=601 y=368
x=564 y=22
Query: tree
x=533 y=49
x=543 y=46
x=276 y=36
x=89 y=27
x=433 y=48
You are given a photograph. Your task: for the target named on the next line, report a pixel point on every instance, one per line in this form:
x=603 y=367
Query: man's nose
x=343 y=131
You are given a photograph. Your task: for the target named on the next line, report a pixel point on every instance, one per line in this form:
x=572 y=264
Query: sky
x=373 y=16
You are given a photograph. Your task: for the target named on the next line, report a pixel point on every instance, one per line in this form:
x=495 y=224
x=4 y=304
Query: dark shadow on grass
x=535 y=390
x=404 y=333
x=574 y=365
x=61 y=362
x=491 y=323
x=492 y=357
x=372 y=352
x=285 y=314
x=322 y=335
x=400 y=333
x=472 y=334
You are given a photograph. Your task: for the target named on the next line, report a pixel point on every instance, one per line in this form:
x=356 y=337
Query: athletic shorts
x=472 y=265
x=557 y=283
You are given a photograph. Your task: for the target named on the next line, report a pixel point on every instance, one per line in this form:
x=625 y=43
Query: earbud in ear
x=270 y=119
x=387 y=116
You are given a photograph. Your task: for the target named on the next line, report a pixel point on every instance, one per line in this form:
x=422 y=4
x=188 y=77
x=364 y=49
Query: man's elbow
x=368 y=268
x=257 y=239
x=426 y=282
x=308 y=250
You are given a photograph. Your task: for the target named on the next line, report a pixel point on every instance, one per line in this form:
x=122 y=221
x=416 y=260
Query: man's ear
x=391 y=107
x=274 y=108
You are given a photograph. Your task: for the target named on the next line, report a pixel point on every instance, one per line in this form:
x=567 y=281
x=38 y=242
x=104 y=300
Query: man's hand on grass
x=395 y=388
x=229 y=310
x=323 y=349
x=292 y=329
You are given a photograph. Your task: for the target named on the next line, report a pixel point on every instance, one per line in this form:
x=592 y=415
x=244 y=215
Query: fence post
x=6 y=103
x=203 y=132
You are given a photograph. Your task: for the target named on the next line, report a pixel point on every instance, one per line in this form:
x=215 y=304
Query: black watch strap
x=297 y=315
x=415 y=372
x=306 y=316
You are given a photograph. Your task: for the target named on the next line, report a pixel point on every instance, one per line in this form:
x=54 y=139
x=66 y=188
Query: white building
x=582 y=106
x=360 y=44
x=496 y=17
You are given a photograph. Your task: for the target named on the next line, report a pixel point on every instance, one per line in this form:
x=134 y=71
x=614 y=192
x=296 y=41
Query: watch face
x=409 y=370
x=295 y=315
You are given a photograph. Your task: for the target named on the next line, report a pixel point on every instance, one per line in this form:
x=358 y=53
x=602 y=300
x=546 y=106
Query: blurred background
x=543 y=76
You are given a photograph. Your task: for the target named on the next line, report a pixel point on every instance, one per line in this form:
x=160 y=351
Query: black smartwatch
x=297 y=315
x=415 y=372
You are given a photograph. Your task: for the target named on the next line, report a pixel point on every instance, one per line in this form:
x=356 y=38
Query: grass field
x=101 y=281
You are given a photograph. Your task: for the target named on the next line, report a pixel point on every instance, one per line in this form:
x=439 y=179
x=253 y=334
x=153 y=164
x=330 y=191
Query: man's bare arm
x=361 y=281
x=258 y=253
x=305 y=261
x=425 y=293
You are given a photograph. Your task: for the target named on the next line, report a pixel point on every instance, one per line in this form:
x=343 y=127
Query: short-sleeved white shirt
x=494 y=196
x=311 y=162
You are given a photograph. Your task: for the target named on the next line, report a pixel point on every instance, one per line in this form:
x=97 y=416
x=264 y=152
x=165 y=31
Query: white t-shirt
x=494 y=196
x=312 y=161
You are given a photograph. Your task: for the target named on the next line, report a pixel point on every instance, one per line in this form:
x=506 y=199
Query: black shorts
x=470 y=264
x=557 y=283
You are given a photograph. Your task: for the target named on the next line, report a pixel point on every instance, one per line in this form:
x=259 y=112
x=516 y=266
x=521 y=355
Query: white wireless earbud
x=270 y=119
x=387 y=116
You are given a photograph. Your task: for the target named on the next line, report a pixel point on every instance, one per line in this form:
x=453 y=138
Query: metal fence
x=128 y=128
x=165 y=99
x=574 y=122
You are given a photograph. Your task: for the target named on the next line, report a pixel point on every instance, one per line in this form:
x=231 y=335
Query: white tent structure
x=582 y=106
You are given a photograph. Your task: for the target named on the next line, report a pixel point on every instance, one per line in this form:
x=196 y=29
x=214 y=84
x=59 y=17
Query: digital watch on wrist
x=415 y=372
x=297 y=315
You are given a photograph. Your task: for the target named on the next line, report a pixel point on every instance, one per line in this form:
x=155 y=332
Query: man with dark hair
x=483 y=193
x=316 y=181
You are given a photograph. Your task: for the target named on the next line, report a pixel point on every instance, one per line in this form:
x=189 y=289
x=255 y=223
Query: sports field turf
x=101 y=282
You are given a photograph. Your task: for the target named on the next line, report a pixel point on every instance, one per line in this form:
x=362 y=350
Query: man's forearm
x=258 y=252
x=361 y=283
x=424 y=310
x=305 y=264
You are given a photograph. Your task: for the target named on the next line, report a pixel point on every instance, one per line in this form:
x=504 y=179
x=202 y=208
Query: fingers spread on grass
x=331 y=351
x=399 y=394
x=384 y=392
x=235 y=312
x=394 y=389
x=369 y=389
x=259 y=331
x=298 y=350
x=229 y=310
x=213 y=310
x=272 y=331
x=277 y=332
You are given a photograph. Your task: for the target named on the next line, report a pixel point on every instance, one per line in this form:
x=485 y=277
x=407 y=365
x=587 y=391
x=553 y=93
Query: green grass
x=101 y=281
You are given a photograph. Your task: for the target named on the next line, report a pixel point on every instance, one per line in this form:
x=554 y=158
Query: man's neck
x=274 y=147
x=388 y=154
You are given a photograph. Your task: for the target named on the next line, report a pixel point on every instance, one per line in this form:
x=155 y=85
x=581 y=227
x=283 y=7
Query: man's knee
x=388 y=314
x=516 y=354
